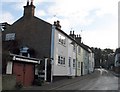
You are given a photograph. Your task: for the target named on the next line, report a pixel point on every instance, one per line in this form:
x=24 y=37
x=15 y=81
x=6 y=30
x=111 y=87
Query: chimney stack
x=57 y=24
x=72 y=34
x=29 y=9
x=78 y=38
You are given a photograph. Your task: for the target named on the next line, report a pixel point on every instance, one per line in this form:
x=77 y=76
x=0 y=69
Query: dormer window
x=24 y=51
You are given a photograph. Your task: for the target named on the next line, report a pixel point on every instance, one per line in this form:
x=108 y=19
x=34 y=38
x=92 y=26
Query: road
x=101 y=79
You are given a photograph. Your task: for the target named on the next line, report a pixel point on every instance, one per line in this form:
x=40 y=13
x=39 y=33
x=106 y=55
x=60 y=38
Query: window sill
x=61 y=65
x=61 y=44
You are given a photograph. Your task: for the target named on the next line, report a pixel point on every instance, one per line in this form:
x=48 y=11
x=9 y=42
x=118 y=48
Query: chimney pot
x=77 y=35
x=55 y=23
x=58 y=22
x=27 y=2
x=31 y=2
x=73 y=32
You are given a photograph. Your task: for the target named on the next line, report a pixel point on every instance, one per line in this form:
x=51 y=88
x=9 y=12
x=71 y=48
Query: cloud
x=7 y=17
x=40 y=13
x=79 y=11
x=107 y=38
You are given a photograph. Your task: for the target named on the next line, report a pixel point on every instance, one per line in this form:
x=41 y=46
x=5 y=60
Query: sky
x=95 y=20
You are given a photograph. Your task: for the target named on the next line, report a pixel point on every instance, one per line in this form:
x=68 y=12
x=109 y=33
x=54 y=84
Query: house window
x=85 y=67
x=73 y=62
x=10 y=36
x=24 y=51
x=61 y=60
x=74 y=48
x=61 y=39
x=79 y=50
x=69 y=61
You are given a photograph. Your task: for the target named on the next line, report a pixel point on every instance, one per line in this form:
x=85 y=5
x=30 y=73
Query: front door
x=70 y=71
x=81 y=68
x=48 y=70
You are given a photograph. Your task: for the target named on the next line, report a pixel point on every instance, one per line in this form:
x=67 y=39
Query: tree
x=103 y=57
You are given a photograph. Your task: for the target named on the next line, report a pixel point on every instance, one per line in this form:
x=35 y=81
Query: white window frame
x=10 y=36
x=74 y=63
x=61 y=60
x=61 y=39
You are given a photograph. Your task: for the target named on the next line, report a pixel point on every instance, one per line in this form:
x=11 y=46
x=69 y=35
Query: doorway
x=81 y=68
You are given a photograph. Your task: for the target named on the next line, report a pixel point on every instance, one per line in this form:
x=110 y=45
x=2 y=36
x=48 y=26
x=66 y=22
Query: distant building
x=117 y=57
x=117 y=61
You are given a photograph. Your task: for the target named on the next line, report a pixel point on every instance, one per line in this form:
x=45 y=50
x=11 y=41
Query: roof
x=80 y=44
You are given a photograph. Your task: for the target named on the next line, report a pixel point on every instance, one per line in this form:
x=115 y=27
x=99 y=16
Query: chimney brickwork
x=29 y=9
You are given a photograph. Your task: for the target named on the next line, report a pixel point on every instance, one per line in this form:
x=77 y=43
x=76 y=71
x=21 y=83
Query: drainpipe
x=51 y=70
x=76 y=60
x=52 y=51
x=45 y=69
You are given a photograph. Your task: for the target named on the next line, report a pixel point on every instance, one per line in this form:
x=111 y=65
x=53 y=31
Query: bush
x=38 y=82
x=19 y=85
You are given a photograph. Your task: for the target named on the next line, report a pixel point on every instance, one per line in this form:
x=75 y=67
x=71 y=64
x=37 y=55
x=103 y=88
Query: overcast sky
x=95 y=20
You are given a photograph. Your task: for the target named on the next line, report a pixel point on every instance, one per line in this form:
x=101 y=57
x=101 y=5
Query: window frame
x=61 y=39
x=10 y=37
x=74 y=63
x=61 y=60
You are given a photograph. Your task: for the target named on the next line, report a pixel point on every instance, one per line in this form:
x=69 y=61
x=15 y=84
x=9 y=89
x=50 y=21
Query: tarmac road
x=101 y=79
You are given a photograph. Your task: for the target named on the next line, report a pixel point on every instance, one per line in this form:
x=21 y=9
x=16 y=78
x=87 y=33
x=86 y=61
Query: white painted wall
x=91 y=62
x=82 y=60
x=9 y=67
x=60 y=70
x=85 y=62
x=79 y=60
x=72 y=54
x=65 y=51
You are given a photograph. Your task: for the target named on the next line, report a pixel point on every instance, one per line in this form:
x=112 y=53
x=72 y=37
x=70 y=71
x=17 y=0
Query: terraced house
x=32 y=42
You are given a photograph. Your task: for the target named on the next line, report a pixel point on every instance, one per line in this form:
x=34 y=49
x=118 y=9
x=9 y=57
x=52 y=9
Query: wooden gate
x=24 y=73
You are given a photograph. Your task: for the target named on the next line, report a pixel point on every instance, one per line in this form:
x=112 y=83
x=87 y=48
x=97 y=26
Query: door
x=49 y=70
x=81 y=68
x=24 y=73
x=18 y=71
x=70 y=70
x=29 y=74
